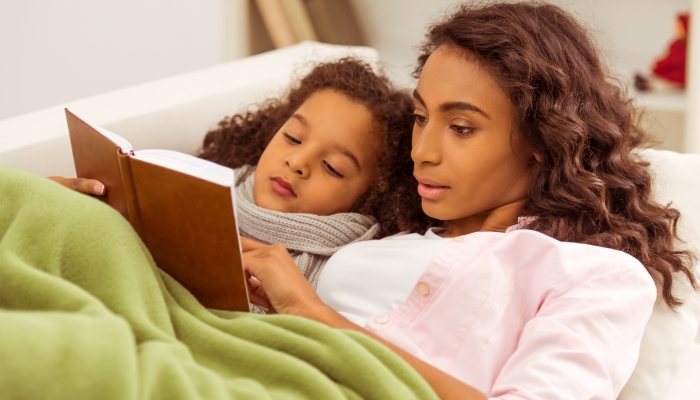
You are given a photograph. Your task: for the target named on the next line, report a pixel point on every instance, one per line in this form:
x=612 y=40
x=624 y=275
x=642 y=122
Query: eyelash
x=292 y=139
x=328 y=167
x=460 y=130
x=420 y=119
x=332 y=170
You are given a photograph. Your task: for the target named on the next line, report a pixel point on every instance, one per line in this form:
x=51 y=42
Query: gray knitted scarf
x=311 y=239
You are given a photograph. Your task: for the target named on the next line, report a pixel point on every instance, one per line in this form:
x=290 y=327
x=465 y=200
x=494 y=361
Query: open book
x=182 y=207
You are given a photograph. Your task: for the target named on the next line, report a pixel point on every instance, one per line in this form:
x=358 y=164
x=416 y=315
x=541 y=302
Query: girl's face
x=466 y=160
x=321 y=160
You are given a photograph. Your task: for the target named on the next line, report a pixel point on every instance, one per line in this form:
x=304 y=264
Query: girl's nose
x=298 y=164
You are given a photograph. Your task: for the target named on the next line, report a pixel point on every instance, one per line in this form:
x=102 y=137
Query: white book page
x=123 y=144
x=189 y=165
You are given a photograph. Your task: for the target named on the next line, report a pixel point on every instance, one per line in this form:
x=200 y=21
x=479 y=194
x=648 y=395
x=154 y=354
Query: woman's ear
x=538 y=157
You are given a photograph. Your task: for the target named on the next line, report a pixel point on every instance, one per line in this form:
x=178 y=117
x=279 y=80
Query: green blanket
x=84 y=314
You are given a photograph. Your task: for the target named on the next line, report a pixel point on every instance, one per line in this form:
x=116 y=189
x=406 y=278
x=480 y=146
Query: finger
x=254 y=284
x=260 y=291
x=253 y=266
x=252 y=292
x=260 y=301
x=90 y=186
x=249 y=244
x=82 y=185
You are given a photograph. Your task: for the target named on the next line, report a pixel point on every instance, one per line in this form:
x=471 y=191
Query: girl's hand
x=82 y=185
x=282 y=288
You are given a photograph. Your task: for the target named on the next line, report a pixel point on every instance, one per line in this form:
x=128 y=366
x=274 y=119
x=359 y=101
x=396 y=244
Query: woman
x=539 y=284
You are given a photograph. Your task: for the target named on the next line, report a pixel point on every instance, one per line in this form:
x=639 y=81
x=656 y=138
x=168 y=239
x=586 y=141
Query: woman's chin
x=433 y=210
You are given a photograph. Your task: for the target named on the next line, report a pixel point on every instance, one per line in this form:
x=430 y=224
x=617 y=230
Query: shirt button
x=423 y=289
x=458 y=239
x=382 y=319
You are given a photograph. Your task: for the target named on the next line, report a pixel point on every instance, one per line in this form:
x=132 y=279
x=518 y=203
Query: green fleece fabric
x=85 y=314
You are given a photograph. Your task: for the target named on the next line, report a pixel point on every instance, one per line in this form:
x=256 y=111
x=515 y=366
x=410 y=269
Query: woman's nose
x=426 y=146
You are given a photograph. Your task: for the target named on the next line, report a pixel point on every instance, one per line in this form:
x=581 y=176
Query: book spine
x=132 y=203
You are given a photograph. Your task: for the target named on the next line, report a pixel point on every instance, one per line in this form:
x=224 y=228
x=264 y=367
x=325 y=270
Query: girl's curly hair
x=592 y=188
x=392 y=199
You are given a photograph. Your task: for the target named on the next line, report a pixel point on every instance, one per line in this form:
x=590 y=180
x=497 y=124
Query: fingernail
x=99 y=189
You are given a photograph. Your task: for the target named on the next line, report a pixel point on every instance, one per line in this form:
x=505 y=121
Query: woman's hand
x=287 y=291
x=82 y=185
x=282 y=287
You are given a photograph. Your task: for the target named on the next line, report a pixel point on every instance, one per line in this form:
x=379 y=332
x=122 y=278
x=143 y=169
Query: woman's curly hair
x=392 y=199
x=592 y=188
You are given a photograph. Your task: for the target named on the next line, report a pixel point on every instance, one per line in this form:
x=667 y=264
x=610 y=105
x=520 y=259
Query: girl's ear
x=538 y=157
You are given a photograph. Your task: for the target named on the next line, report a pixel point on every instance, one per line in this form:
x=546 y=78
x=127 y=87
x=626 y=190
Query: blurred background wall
x=57 y=51
x=630 y=33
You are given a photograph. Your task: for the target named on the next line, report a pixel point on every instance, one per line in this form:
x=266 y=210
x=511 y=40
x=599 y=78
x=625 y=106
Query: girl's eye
x=332 y=170
x=462 y=131
x=420 y=119
x=291 y=139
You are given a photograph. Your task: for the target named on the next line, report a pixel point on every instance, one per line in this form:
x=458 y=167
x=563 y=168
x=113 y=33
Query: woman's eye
x=462 y=131
x=332 y=170
x=420 y=119
x=292 y=139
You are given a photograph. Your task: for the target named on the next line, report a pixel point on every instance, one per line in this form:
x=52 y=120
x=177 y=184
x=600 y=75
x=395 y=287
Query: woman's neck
x=495 y=220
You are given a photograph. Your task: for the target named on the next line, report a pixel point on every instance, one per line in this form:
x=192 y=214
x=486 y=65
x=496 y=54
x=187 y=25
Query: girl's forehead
x=334 y=112
x=337 y=123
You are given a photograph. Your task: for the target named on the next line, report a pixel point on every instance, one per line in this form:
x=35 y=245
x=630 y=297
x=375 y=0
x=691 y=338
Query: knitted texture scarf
x=311 y=239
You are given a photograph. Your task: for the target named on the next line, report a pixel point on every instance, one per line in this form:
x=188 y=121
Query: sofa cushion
x=669 y=334
x=172 y=113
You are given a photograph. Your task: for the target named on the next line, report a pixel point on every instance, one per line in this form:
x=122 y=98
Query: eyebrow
x=300 y=118
x=453 y=105
x=349 y=154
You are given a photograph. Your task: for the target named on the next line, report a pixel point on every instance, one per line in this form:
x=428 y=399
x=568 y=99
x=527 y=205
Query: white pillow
x=669 y=335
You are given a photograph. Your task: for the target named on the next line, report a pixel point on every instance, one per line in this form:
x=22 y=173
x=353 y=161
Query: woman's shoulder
x=539 y=254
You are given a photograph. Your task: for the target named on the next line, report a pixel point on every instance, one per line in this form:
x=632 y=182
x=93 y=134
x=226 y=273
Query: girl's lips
x=431 y=192
x=282 y=187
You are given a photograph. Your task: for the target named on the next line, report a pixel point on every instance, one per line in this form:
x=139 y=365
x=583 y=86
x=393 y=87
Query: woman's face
x=468 y=158
x=321 y=160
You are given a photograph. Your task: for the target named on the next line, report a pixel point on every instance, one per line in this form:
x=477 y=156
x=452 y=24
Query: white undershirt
x=367 y=278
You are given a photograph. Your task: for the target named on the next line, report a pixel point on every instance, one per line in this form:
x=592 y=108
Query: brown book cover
x=182 y=207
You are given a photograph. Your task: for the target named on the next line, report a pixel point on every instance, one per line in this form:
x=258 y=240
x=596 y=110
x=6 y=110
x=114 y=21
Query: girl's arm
x=286 y=291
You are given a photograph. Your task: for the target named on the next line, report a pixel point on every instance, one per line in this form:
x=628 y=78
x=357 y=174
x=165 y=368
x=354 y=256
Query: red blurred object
x=672 y=66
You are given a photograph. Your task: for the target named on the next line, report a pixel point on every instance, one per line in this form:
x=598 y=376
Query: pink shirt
x=520 y=315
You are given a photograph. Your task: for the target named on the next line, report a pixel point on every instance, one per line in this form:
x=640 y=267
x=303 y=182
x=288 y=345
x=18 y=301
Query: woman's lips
x=282 y=187
x=431 y=191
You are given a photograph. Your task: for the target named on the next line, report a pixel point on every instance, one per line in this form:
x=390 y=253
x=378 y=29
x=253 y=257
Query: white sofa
x=174 y=113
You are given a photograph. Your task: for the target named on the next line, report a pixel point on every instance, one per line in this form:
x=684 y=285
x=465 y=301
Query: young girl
x=324 y=166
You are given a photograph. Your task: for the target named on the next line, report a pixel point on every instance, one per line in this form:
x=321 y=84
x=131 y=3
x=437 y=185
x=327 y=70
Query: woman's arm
x=286 y=291
x=446 y=386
